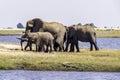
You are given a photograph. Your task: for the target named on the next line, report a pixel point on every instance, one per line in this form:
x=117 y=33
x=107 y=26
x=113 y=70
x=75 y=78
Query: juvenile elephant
x=25 y=39
x=85 y=33
x=58 y=30
x=41 y=39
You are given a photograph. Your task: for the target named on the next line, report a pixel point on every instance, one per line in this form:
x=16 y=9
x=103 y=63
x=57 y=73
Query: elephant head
x=23 y=39
x=34 y=25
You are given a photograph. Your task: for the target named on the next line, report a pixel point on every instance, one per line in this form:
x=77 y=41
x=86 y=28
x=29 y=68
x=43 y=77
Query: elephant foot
x=65 y=50
x=97 y=49
x=77 y=51
x=71 y=51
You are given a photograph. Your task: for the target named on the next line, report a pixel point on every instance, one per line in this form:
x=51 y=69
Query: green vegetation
x=11 y=32
x=100 y=33
x=108 y=34
x=103 y=60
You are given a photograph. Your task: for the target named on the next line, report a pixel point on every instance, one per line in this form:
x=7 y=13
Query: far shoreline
x=10 y=34
x=99 y=33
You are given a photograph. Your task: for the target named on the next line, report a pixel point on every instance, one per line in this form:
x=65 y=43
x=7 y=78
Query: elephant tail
x=95 y=37
x=95 y=34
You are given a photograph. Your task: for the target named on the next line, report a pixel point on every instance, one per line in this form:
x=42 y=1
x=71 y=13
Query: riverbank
x=11 y=57
x=100 y=33
x=108 y=34
x=12 y=32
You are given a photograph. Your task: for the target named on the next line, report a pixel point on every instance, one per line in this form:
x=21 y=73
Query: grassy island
x=103 y=60
x=11 y=57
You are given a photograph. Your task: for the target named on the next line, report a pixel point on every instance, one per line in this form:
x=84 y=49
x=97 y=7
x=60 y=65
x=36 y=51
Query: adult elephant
x=85 y=33
x=58 y=30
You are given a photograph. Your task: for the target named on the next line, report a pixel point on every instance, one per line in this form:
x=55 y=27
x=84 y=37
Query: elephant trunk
x=21 y=41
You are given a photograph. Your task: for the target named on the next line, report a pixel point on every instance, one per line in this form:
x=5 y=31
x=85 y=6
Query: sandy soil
x=10 y=49
x=13 y=49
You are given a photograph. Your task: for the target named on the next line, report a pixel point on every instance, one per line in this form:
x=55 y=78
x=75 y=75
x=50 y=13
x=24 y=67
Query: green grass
x=103 y=60
x=100 y=33
x=108 y=34
x=11 y=32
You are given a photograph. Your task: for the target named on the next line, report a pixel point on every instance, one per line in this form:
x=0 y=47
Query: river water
x=103 y=43
x=57 y=75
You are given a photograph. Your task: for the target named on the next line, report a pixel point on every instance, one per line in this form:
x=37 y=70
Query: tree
x=19 y=25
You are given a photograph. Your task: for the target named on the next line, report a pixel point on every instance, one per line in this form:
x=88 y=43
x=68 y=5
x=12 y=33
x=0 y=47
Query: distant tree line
x=20 y=26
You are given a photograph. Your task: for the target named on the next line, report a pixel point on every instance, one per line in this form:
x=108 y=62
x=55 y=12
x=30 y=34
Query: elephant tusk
x=30 y=25
x=18 y=38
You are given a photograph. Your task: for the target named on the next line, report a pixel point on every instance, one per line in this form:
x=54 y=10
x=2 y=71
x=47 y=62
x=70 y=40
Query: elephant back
x=45 y=34
x=54 y=27
x=84 y=28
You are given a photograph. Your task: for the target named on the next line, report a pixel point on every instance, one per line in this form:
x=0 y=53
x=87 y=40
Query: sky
x=68 y=12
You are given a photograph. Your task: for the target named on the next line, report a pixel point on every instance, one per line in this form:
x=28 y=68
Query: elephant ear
x=30 y=23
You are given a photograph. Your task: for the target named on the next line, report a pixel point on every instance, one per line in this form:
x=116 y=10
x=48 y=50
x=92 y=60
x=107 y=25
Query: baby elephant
x=41 y=39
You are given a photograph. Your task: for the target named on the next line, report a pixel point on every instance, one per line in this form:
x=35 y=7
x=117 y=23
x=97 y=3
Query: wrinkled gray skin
x=58 y=30
x=25 y=39
x=29 y=43
x=41 y=39
x=83 y=33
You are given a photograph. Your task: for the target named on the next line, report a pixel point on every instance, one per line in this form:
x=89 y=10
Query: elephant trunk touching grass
x=23 y=39
x=40 y=39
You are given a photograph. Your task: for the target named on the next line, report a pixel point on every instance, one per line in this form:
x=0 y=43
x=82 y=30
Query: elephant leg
x=56 y=45
x=37 y=46
x=72 y=47
x=91 y=46
x=28 y=44
x=40 y=49
x=21 y=42
x=43 y=48
x=77 y=47
x=74 y=41
x=67 y=45
x=51 y=48
x=96 y=47
x=46 y=48
x=60 y=41
x=61 y=45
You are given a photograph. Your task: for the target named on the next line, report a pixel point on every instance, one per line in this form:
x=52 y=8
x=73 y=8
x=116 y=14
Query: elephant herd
x=54 y=36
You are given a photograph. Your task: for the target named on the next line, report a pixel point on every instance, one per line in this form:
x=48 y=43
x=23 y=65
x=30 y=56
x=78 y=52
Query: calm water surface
x=107 y=43
x=103 y=43
x=57 y=75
